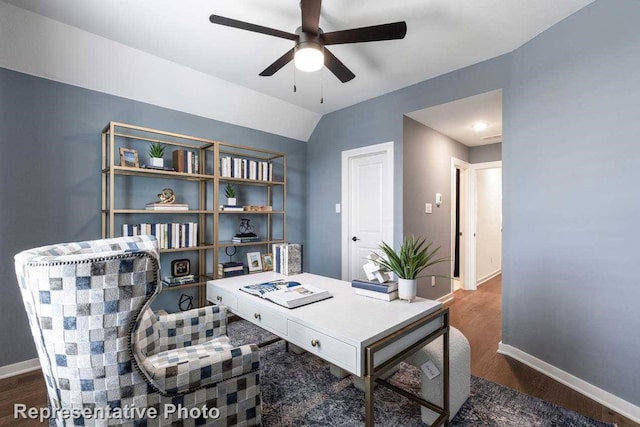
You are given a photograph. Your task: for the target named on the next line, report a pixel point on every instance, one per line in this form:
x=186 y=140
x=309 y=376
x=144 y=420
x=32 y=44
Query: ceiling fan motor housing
x=309 y=40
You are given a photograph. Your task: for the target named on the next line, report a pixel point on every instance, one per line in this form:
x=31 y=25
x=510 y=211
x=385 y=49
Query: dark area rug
x=299 y=390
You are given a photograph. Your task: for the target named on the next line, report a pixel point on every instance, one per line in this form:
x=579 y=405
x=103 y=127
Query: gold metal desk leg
x=369 y=382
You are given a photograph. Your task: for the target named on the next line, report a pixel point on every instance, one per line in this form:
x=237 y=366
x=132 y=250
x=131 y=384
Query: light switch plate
x=337 y=207
x=428 y=208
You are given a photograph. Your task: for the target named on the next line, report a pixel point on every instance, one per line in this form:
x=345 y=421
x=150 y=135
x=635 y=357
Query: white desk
x=364 y=336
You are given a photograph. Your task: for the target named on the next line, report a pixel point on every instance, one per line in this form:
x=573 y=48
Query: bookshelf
x=258 y=175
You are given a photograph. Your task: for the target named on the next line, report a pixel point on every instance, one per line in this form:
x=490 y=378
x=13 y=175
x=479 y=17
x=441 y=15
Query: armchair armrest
x=193 y=327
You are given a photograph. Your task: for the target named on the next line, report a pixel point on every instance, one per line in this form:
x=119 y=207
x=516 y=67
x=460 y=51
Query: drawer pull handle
x=219 y=298
x=315 y=343
x=256 y=315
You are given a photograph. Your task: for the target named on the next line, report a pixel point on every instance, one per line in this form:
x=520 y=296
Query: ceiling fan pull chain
x=294 y=80
x=322 y=86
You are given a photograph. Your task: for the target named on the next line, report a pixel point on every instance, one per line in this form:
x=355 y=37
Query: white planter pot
x=231 y=201
x=156 y=161
x=407 y=289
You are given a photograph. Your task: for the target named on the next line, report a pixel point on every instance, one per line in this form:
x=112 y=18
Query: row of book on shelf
x=386 y=291
x=234 y=167
x=169 y=236
x=230 y=269
x=186 y=161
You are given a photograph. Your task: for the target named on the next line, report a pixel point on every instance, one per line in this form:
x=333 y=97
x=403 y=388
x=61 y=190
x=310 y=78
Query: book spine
x=372 y=287
x=178 y=160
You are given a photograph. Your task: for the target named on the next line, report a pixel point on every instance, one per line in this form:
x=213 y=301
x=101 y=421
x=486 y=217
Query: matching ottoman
x=459 y=373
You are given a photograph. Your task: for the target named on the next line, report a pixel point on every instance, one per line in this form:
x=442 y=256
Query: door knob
x=355 y=239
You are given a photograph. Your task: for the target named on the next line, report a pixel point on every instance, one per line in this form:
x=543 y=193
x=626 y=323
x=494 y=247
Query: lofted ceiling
x=456 y=118
x=442 y=36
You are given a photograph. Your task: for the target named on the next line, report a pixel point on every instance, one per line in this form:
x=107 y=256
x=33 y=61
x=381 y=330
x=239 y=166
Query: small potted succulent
x=156 y=151
x=414 y=256
x=230 y=194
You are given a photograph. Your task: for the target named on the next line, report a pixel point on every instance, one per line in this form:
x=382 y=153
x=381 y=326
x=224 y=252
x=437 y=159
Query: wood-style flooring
x=477 y=314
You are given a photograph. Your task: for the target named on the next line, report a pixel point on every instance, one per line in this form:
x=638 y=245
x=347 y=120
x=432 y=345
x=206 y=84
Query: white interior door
x=367 y=199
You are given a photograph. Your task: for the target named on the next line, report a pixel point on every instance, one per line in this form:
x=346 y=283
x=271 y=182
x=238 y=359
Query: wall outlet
x=433 y=280
x=428 y=208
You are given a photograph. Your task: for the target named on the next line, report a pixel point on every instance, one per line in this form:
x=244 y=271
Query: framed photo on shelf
x=129 y=157
x=254 y=261
x=267 y=262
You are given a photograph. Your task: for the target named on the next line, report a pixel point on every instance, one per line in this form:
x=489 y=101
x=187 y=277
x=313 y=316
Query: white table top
x=351 y=318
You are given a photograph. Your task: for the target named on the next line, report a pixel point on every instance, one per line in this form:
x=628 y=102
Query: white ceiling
x=455 y=119
x=442 y=36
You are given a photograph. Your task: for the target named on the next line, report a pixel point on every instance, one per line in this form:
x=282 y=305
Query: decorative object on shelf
x=129 y=157
x=414 y=256
x=254 y=261
x=231 y=249
x=245 y=229
x=230 y=194
x=186 y=302
x=267 y=262
x=166 y=196
x=252 y=208
x=374 y=271
x=180 y=267
x=156 y=151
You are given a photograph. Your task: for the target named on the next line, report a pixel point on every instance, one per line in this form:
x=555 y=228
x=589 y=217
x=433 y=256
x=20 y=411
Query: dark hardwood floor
x=477 y=314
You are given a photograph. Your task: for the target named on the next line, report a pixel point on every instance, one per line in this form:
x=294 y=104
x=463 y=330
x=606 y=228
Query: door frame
x=473 y=211
x=466 y=264
x=385 y=148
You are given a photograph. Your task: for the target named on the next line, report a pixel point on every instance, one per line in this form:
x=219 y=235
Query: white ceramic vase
x=156 y=161
x=407 y=289
x=231 y=201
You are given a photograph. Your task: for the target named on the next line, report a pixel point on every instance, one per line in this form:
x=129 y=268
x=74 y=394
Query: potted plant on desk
x=414 y=256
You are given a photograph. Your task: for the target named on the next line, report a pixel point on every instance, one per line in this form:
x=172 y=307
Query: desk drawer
x=340 y=353
x=222 y=297
x=261 y=316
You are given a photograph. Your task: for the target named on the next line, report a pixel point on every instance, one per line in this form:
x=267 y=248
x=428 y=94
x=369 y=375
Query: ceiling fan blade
x=393 y=31
x=310 y=15
x=280 y=62
x=221 y=20
x=337 y=67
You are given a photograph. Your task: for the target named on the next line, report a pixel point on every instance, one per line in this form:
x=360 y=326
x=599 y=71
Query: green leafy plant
x=229 y=191
x=156 y=150
x=415 y=255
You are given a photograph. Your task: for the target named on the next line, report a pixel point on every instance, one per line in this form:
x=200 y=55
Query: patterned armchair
x=104 y=352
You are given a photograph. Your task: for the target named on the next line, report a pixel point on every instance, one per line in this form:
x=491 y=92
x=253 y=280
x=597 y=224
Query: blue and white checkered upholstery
x=101 y=346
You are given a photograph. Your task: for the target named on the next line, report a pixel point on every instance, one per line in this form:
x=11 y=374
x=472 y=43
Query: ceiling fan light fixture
x=309 y=57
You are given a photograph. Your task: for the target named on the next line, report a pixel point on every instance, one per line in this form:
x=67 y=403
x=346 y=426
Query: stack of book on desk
x=387 y=291
x=230 y=269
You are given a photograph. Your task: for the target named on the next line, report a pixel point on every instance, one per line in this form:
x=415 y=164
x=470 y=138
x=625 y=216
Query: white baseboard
x=488 y=277
x=609 y=400
x=446 y=298
x=19 y=368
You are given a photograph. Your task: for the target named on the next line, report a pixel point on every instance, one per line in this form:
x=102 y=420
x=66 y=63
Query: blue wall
x=571 y=168
x=371 y=122
x=571 y=165
x=50 y=175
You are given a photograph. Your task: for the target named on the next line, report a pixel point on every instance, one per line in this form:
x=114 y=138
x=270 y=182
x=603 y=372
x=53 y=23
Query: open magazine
x=287 y=294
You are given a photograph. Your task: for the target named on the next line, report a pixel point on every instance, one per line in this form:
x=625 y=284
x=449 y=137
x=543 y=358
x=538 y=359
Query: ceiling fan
x=309 y=52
